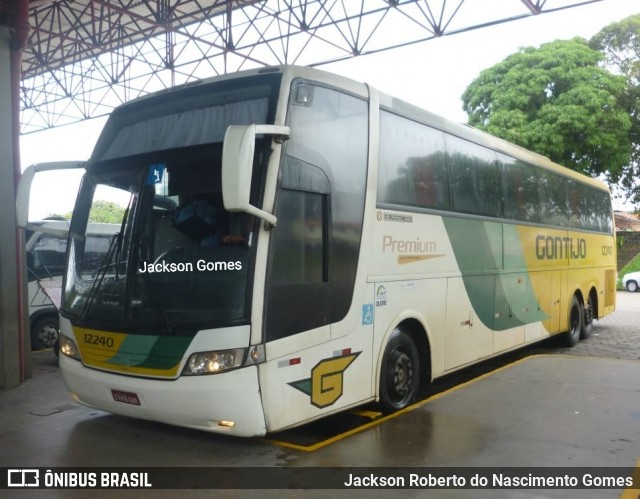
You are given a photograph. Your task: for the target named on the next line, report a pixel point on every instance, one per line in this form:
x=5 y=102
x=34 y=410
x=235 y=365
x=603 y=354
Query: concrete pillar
x=12 y=346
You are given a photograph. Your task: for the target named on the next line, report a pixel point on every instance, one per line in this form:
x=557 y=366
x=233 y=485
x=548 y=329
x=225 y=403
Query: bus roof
x=289 y=72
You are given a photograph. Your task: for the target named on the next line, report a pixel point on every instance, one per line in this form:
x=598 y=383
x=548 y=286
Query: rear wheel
x=588 y=313
x=632 y=286
x=572 y=336
x=400 y=373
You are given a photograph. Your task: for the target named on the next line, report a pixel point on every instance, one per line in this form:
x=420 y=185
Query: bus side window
x=553 y=198
x=519 y=190
x=48 y=255
x=315 y=245
x=413 y=169
x=299 y=289
x=475 y=185
x=299 y=248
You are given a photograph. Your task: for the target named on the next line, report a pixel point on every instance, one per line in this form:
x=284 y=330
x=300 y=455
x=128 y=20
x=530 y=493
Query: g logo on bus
x=327 y=379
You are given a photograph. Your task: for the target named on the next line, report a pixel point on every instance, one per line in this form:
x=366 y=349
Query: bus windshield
x=177 y=261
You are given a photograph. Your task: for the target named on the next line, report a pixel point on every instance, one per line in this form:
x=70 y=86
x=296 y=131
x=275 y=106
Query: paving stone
x=617 y=336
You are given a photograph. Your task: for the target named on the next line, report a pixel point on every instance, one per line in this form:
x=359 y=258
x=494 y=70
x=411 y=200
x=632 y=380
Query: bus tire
x=572 y=336
x=399 y=373
x=44 y=332
x=587 y=319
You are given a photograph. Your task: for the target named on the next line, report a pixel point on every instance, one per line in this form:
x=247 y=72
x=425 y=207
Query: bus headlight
x=213 y=362
x=68 y=347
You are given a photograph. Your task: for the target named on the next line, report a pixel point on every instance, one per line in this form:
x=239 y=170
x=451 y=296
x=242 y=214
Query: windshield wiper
x=101 y=273
x=115 y=249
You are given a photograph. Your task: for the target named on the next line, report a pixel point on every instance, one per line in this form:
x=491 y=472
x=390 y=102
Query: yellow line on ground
x=288 y=445
x=365 y=414
x=633 y=492
x=341 y=436
x=374 y=422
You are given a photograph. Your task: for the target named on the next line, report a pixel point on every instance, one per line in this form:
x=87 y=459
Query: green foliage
x=57 y=216
x=556 y=100
x=106 y=212
x=620 y=44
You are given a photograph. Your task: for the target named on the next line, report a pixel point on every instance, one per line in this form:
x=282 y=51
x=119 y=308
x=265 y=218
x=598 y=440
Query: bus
x=292 y=244
x=46 y=246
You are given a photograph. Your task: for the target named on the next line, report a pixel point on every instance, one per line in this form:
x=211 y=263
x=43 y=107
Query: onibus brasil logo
x=325 y=386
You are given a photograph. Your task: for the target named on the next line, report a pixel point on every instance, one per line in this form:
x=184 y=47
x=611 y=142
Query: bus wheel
x=400 y=373
x=572 y=336
x=44 y=332
x=587 y=320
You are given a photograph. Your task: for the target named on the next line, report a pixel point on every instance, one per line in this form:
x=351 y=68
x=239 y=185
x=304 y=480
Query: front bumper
x=227 y=403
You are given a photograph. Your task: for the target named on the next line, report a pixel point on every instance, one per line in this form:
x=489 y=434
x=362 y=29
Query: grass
x=632 y=266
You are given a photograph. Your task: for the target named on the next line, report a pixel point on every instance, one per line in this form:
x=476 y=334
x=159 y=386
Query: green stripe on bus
x=167 y=352
x=501 y=300
x=151 y=352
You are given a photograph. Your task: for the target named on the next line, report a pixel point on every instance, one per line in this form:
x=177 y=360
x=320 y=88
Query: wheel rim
x=632 y=286
x=47 y=336
x=401 y=377
x=588 y=314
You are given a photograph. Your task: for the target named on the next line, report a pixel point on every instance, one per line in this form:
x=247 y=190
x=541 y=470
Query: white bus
x=293 y=244
x=46 y=248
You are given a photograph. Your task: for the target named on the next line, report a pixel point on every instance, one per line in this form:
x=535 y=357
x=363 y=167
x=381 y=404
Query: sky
x=432 y=75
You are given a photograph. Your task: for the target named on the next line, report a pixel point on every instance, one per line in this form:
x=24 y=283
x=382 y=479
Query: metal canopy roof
x=84 y=57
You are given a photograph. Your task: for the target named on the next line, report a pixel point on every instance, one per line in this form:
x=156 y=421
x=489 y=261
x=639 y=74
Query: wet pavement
x=545 y=406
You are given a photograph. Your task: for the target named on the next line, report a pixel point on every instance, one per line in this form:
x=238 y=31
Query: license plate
x=125 y=397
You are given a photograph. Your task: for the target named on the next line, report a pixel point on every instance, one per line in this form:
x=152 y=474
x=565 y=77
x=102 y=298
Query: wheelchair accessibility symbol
x=367 y=314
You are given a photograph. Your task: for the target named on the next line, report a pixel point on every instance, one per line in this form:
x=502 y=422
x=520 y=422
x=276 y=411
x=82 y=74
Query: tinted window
x=298 y=250
x=47 y=256
x=519 y=190
x=329 y=130
x=600 y=204
x=475 y=185
x=590 y=208
x=413 y=169
x=552 y=190
x=320 y=208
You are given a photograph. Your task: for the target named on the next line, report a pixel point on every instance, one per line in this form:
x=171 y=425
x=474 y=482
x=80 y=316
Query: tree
x=556 y=100
x=106 y=212
x=620 y=44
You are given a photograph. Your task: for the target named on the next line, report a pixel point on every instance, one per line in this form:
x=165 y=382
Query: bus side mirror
x=24 y=194
x=237 y=166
